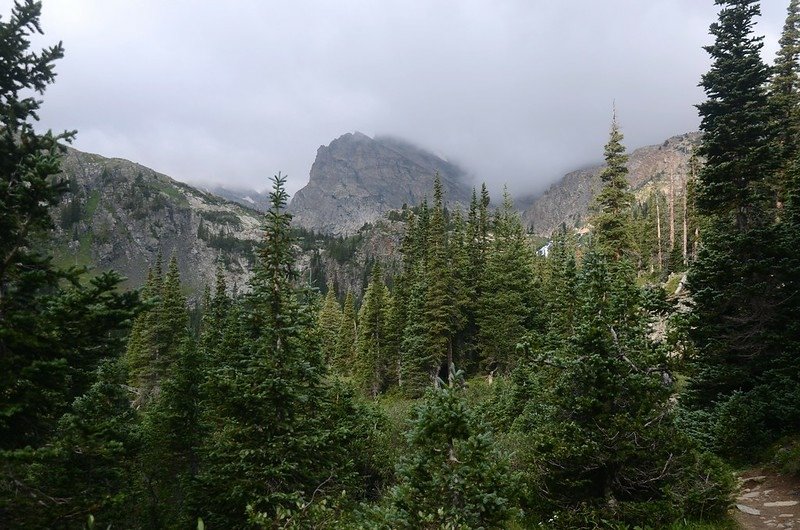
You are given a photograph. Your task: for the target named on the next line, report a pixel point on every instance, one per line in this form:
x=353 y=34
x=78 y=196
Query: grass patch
x=91 y=205
x=672 y=283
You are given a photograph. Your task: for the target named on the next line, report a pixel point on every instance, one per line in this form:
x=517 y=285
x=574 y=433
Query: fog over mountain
x=515 y=91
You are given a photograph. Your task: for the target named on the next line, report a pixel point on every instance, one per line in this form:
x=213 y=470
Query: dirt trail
x=767 y=500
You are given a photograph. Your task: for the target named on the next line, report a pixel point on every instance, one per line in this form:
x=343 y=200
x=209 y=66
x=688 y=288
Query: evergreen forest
x=483 y=384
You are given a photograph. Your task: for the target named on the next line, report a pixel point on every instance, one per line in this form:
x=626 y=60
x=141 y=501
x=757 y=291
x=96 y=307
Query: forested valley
x=486 y=383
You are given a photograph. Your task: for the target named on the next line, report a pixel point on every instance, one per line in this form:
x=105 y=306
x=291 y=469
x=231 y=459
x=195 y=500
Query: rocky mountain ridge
x=121 y=215
x=568 y=200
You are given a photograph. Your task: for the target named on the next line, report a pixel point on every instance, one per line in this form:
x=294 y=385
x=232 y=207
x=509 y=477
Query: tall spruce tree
x=506 y=309
x=63 y=439
x=442 y=315
x=784 y=96
x=346 y=338
x=739 y=280
x=599 y=420
x=279 y=435
x=612 y=222
x=329 y=321
x=735 y=119
x=372 y=362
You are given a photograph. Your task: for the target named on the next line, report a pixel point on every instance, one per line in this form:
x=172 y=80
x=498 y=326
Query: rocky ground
x=768 y=500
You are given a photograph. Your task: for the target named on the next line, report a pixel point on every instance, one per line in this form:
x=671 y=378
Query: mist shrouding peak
x=356 y=179
x=515 y=91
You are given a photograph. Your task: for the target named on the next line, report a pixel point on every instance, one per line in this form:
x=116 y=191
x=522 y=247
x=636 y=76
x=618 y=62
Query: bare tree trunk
x=450 y=361
x=658 y=232
x=671 y=212
x=685 y=226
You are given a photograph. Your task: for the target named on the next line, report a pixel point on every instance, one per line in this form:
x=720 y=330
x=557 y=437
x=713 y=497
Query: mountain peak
x=356 y=179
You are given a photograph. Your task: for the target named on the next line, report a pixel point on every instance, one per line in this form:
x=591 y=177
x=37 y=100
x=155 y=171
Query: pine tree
x=604 y=443
x=158 y=332
x=346 y=338
x=784 y=96
x=738 y=281
x=279 y=436
x=453 y=476
x=172 y=434
x=612 y=222
x=372 y=361
x=54 y=330
x=463 y=294
x=396 y=321
x=505 y=309
x=736 y=119
x=442 y=316
x=417 y=366
x=216 y=313
x=329 y=322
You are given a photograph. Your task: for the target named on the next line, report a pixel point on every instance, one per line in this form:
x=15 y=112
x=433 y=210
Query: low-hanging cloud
x=516 y=91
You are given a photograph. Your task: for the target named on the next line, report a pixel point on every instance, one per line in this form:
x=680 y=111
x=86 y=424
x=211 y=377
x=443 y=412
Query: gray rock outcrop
x=356 y=179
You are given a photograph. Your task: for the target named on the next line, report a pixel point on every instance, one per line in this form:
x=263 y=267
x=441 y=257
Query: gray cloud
x=516 y=91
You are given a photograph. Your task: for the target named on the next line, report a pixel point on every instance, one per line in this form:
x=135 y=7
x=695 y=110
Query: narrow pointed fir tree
x=216 y=313
x=372 y=363
x=735 y=118
x=739 y=281
x=417 y=366
x=471 y=275
x=442 y=315
x=612 y=223
x=172 y=433
x=158 y=332
x=506 y=309
x=329 y=322
x=462 y=294
x=396 y=314
x=280 y=436
x=784 y=96
x=346 y=338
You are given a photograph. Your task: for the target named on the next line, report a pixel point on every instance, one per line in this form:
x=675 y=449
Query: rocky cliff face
x=568 y=200
x=356 y=179
x=120 y=215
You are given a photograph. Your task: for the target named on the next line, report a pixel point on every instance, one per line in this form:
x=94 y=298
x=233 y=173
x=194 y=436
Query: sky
x=517 y=92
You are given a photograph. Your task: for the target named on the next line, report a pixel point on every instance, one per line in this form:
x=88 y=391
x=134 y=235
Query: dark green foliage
x=158 y=332
x=505 y=310
x=172 y=434
x=612 y=222
x=784 y=96
x=442 y=312
x=343 y=249
x=453 y=476
x=329 y=322
x=278 y=433
x=222 y=217
x=603 y=439
x=743 y=281
x=64 y=423
x=735 y=118
x=372 y=361
x=346 y=338
x=84 y=470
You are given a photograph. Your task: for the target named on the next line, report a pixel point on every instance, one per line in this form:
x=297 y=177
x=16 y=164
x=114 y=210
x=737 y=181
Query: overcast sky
x=516 y=91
